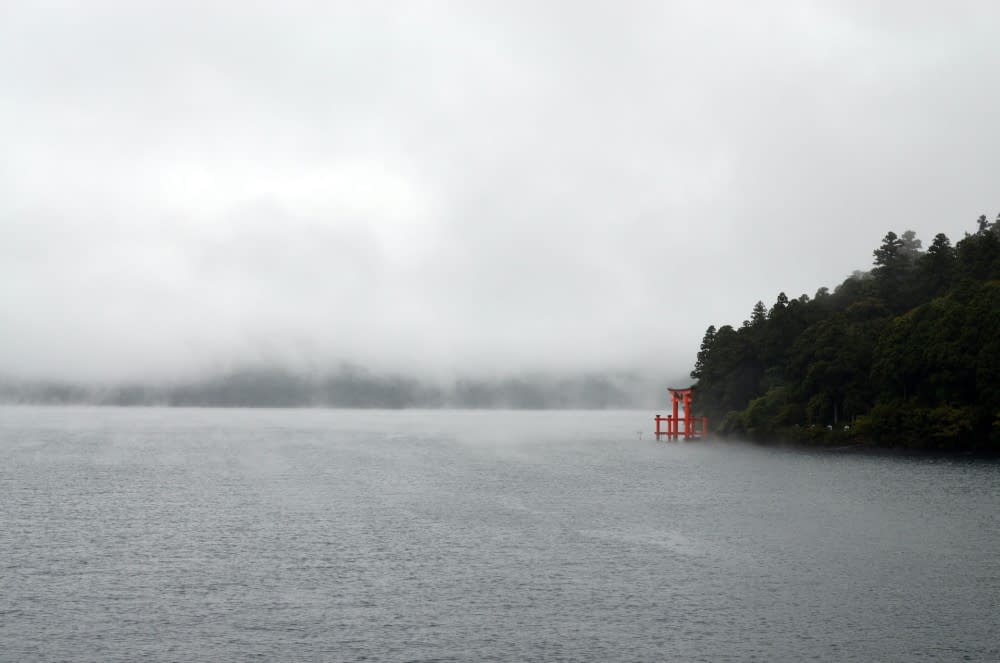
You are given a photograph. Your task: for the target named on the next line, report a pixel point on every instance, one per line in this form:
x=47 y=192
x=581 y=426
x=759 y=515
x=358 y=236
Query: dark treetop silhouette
x=905 y=354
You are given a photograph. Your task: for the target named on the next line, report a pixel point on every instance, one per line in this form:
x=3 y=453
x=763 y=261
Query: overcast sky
x=465 y=186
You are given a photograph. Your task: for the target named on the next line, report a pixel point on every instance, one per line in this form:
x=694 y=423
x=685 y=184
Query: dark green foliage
x=936 y=268
x=706 y=347
x=731 y=373
x=889 y=256
x=979 y=254
x=907 y=354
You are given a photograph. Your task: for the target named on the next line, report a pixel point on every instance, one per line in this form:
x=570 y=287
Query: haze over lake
x=221 y=535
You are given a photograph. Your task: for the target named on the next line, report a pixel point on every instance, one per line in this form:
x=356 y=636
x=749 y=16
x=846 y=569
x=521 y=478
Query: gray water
x=310 y=535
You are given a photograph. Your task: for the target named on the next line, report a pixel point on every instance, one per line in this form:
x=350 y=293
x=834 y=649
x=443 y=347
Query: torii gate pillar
x=694 y=428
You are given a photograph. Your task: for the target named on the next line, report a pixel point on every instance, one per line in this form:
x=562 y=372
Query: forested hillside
x=347 y=387
x=907 y=353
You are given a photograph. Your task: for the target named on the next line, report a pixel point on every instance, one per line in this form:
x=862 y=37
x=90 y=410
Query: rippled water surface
x=228 y=535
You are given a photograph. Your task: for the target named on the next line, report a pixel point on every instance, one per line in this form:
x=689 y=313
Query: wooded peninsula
x=906 y=354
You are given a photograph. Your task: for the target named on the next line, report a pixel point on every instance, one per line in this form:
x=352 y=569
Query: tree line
x=348 y=387
x=905 y=354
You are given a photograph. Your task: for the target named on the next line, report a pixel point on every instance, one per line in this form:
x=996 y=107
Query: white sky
x=464 y=186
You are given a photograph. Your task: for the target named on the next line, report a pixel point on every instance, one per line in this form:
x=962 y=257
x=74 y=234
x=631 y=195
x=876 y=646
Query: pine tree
x=887 y=255
x=983 y=224
x=910 y=246
x=706 y=348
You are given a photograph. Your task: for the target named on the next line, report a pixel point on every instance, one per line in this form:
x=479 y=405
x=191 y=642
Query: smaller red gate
x=689 y=427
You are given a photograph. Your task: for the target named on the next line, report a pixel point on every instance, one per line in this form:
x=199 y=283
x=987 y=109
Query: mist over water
x=350 y=386
x=220 y=535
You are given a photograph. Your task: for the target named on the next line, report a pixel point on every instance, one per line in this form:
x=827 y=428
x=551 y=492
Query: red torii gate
x=694 y=428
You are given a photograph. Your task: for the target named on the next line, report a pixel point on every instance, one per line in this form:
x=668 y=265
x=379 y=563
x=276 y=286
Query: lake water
x=319 y=535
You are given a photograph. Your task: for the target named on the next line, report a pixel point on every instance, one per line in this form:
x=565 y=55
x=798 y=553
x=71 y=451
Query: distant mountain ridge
x=348 y=387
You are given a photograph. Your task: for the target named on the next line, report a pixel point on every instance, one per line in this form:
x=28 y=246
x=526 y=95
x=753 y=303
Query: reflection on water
x=339 y=535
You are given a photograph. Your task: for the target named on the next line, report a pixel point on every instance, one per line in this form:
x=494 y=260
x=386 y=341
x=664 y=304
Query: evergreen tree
x=892 y=262
x=935 y=268
x=887 y=256
x=910 y=246
x=779 y=304
x=978 y=255
x=706 y=347
x=983 y=224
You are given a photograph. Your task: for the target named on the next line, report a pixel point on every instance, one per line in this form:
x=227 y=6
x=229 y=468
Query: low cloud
x=444 y=189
